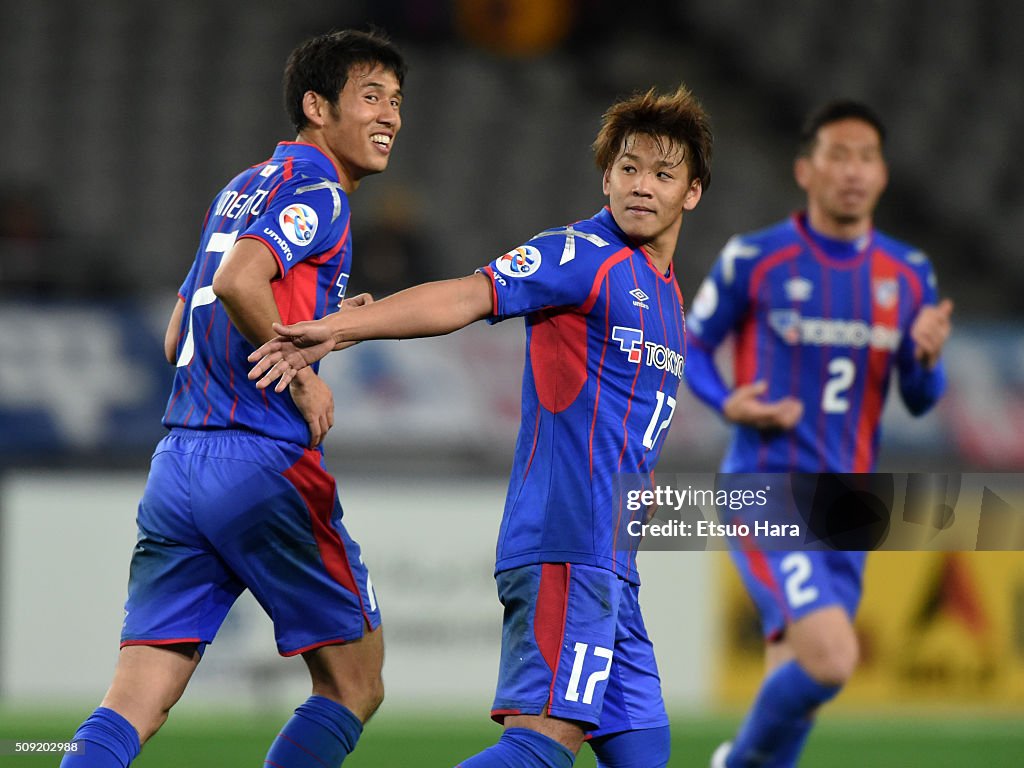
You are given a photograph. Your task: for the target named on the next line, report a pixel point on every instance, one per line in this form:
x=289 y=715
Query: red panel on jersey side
x=295 y=293
x=745 y=355
x=558 y=358
x=883 y=267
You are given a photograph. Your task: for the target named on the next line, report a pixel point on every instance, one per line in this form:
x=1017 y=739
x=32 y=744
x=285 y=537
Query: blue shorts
x=786 y=586
x=574 y=645
x=224 y=511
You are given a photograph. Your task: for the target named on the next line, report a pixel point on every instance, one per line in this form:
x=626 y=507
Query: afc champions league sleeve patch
x=520 y=262
x=706 y=301
x=298 y=223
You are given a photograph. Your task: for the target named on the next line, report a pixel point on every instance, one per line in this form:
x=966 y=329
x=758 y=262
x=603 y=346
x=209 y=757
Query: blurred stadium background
x=124 y=118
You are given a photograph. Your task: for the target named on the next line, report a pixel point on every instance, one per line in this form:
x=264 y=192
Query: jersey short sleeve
x=183 y=289
x=557 y=268
x=723 y=298
x=306 y=217
x=927 y=294
x=922 y=266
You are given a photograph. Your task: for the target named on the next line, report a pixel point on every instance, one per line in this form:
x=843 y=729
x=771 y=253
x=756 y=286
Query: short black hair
x=833 y=112
x=322 y=65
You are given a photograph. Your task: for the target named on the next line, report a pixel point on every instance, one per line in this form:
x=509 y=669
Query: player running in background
x=604 y=358
x=237 y=496
x=824 y=307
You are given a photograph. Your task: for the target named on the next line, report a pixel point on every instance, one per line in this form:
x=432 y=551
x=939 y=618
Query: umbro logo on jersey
x=640 y=297
x=798 y=289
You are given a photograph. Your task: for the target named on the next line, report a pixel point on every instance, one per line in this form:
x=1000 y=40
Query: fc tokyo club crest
x=886 y=292
x=786 y=323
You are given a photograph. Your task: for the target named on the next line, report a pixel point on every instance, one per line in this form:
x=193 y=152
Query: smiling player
x=237 y=496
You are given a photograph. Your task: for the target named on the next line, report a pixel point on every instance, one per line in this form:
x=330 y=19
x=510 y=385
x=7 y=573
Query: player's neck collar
x=310 y=152
x=833 y=249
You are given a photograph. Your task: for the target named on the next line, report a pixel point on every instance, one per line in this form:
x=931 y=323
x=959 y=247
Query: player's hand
x=930 y=330
x=744 y=406
x=295 y=347
x=315 y=402
x=357 y=301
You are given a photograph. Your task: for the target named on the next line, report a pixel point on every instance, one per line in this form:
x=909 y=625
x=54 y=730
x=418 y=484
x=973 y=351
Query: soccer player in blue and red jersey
x=604 y=358
x=237 y=496
x=824 y=308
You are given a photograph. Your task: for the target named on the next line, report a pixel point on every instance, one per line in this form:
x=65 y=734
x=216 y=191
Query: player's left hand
x=930 y=330
x=315 y=402
x=745 y=406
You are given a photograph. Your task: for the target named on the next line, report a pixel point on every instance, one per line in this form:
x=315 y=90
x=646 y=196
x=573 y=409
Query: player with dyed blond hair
x=604 y=357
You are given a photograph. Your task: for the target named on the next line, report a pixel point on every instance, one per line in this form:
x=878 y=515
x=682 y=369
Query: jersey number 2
x=797 y=567
x=833 y=398
x=220 y=242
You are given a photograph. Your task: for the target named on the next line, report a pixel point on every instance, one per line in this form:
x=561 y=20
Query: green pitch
x=193 y=740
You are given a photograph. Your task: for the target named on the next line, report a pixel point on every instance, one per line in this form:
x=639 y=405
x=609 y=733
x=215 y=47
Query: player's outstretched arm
x=430 y=309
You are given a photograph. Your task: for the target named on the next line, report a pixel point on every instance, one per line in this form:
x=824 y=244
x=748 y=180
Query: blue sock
x=776 y=723
x=645 y=748
x=320 y=733
x=105 y=740
x=522 y=748
x=793 y=740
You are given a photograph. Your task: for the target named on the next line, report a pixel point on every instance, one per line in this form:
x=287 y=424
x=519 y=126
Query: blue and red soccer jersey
x=234 y=499
x=294 y=204
x=604 y=358
x=821 y=320
x=605 y=350
x=827 y=322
